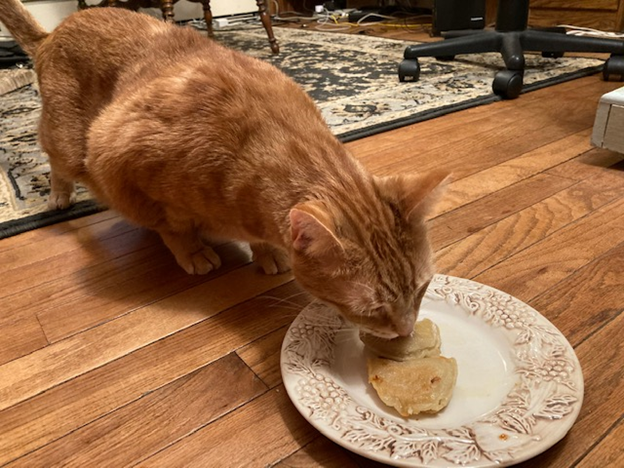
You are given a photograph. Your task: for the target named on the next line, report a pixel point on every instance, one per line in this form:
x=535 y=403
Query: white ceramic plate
x=519 y=386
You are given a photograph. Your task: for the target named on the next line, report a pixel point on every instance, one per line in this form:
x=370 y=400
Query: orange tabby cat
x=194 y=140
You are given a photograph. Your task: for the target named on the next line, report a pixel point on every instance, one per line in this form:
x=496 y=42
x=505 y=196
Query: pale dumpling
x=414 y=386
x=423 y=342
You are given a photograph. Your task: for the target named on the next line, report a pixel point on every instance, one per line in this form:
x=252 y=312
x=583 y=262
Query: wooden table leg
x=266 y=22
x=166 y=6
x=208 y=17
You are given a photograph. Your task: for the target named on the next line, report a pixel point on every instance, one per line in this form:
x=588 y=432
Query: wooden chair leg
x=166 y=6
x=208 y=17
x=266 y=22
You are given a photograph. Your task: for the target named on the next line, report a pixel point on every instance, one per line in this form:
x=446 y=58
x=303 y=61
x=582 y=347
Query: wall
x=48 y=13
x=51 y=12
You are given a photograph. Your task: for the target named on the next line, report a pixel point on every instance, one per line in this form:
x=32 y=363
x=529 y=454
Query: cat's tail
x=22 y=25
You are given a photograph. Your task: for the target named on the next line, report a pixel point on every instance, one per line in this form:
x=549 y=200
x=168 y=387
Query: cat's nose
x=405 y=327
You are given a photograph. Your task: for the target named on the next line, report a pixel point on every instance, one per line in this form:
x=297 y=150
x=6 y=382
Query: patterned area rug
x=353 y=79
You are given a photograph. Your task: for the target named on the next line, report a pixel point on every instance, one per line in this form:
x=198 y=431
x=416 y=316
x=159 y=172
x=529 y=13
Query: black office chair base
x=508 y=84
x=512 y=45
x=613 y=69
x=409 y=70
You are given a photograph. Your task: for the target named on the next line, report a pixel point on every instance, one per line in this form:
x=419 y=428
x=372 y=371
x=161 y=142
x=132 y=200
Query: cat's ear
x=415 y=194
x=311 y=231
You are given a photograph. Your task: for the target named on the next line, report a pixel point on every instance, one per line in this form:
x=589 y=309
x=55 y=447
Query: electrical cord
x=328 y=20
x=583 y=31
x=334 y=20
x=373 y=15
x=324 y=23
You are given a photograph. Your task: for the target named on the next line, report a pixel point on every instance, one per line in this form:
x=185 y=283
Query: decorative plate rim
x=536 y=413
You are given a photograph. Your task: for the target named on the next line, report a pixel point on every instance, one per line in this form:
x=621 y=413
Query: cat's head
x=370 y=258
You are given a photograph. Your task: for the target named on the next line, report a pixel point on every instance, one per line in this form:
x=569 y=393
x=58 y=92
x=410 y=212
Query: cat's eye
x=420 y=295
x=380 y=311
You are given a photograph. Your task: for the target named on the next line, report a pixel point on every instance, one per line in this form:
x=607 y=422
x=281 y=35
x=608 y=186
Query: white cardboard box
x=609 y=123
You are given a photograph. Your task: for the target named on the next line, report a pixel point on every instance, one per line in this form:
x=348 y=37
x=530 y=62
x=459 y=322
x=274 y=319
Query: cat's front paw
x=61 y=200
x=272 y=260
x=201 y=262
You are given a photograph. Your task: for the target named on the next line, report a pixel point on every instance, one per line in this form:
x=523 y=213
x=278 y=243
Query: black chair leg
x=554 y=45
x=409 y=69
x=545 y=41
x=511 y=38
x=484 y=42
x=512 y=52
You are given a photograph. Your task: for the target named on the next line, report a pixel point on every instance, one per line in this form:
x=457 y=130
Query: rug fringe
x=15 y=78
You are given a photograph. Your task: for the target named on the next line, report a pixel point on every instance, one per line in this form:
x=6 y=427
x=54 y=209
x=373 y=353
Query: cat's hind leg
x=271 y=259
x=195 y=257
x=63 y=140
x=62 y=193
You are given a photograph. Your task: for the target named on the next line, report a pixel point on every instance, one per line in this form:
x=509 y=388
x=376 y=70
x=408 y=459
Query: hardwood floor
x=110 y=355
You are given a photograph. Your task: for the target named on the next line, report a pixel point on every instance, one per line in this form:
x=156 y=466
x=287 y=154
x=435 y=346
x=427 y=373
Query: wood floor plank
x=458 y=224
x=115 y=287
x=432 y=137
x=51 y=245
x=54 y=230
x=124 y=283
x=609 y=451
x=542 y=265
x=602 y=404
x=260 y=433
x=492 y=179
x=453 y=129
x=505 y=140
x=321 y=453
x=66 y=359
x=21 y=333
x=68 y=253
x=595 y=162
x=29 y=424
x=263 y=357
x=589 y=298
x=491 y=245
x=161 y=418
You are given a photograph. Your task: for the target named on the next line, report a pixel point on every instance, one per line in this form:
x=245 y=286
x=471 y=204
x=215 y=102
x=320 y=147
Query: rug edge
x=21 y=225
x=23 y=77
x=353 y=135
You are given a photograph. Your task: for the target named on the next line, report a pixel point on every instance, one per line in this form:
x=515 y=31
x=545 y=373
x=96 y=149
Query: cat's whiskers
x=365 y=286
x=344 y=335
x=280 y=301
x=287 y=307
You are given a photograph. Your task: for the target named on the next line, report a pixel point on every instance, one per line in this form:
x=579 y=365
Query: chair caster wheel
x=409 y=70
x=508 y=84
x=552 y=54
x=445 y=58
x=613 y=69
